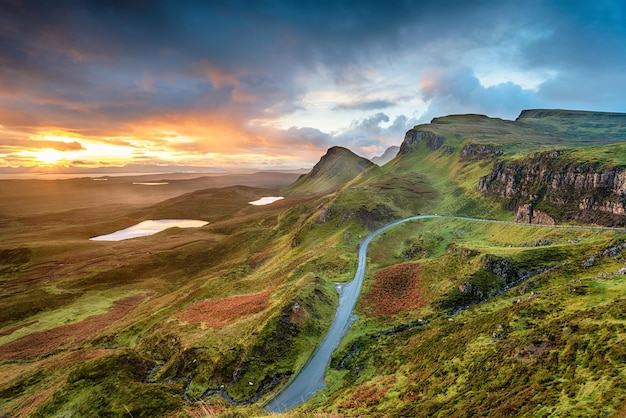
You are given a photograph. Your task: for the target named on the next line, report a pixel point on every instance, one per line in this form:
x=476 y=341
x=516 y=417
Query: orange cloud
x=217 y=76
x=41 y=144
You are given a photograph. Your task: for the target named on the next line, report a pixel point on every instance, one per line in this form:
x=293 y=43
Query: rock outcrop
x=529 y=215
x=551 y=186
x=473 y=152
x=413 y=138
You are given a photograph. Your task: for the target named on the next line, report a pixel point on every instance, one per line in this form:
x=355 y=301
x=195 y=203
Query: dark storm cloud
x=581 y=46
x=585 y=44
x=581 y=35
x=137 y=59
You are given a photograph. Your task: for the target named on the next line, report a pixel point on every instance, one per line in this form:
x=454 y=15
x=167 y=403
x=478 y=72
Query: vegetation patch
x=394 y=289
x=220 y=312
x=111 y=386
x=42 y=343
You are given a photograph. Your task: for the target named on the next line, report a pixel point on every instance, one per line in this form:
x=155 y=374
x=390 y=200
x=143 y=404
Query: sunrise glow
x=185 y=96
x=48 y=156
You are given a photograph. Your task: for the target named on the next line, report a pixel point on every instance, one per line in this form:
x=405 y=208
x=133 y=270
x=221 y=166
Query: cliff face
x=539 y=187
x=472 y=152
x=550 y=186
x=413 y=137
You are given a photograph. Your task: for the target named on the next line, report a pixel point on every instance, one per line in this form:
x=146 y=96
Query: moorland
x=456 y=317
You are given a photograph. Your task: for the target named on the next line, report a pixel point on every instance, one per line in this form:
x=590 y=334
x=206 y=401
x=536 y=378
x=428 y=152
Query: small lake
x=266 y=200
x=145 y=228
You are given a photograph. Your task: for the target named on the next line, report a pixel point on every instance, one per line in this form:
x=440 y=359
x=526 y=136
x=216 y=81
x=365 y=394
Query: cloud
x=365 y=105
x=103 y=65
x=367 y=137
x=215 y=76
x=458 y=90
x=301 y=140
x=31 y=143
x=584 y=47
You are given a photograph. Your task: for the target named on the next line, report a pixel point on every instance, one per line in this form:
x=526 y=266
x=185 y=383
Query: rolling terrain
x=456 y=317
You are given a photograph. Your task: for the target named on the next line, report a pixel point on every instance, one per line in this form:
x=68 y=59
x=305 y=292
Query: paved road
x=310 y=380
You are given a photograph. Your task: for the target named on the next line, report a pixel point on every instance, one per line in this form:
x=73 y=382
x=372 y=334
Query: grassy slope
x=530 y=350
x=55 y=283
x=550 y=345
x=336 y=168
x=267 y=272
x=293 y=251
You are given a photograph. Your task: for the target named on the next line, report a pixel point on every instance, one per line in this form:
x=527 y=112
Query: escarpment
x=553 y=186
x=413 y=137
x=473 y=152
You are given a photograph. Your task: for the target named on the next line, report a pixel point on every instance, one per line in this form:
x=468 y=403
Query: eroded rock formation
x=549 y=186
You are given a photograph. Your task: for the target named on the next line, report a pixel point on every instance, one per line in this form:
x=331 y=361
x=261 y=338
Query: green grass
x=81 y=308
x=550 y=345
x=111 y=386
x=503 y=356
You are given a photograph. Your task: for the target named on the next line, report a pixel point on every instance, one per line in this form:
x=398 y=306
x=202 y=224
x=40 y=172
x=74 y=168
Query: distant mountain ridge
x=387 y=156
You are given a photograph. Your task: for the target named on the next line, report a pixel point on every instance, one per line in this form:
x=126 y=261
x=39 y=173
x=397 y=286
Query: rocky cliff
x=473 y=152
x=577 y=180
x=553 y=186
x=413 y=138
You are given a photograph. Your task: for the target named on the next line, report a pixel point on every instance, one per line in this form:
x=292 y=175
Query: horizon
x=98 y=86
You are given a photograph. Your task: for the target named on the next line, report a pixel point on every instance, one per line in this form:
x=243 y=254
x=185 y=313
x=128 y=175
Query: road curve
x=310 y=380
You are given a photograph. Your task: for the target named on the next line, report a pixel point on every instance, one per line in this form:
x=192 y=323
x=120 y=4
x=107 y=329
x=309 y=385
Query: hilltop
x=546 y=166
x=334 y=170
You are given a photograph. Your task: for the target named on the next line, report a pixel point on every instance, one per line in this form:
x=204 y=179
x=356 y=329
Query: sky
x=273 y=84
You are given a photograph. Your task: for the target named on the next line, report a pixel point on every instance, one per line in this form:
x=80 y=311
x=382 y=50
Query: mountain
x=334 y=170
x=462 y=317
x=547 y=166
x=457 y=316
x=387 y=156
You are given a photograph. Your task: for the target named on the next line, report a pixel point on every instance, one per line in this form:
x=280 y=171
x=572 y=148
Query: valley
x=492 y=256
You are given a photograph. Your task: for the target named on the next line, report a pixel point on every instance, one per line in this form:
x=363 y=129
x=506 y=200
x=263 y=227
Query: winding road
x=310 y=380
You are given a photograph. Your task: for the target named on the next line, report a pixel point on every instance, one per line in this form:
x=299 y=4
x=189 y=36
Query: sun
x=48 y=156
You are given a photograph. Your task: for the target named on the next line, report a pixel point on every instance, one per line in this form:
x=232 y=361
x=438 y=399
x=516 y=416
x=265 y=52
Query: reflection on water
x=146 y=228
x=266 y=200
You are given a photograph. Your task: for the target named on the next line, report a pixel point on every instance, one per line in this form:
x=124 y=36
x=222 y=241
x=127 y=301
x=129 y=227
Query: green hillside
x=456 y=317
x=461 y=318
x=334 y=170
